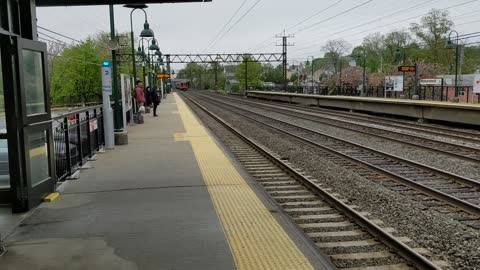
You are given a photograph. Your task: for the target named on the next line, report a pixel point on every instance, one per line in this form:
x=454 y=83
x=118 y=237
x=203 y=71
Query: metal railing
x=78 y=135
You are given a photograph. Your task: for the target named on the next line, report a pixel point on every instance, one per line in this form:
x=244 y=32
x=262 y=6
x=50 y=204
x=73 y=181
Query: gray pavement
x=142 y=206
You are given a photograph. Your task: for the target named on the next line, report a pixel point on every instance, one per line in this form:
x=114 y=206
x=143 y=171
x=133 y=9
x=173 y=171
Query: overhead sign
x=106 y=78
x=407 y=68
x=163 y=76
x=431 y=82
x=476 y=83
x=394 y=83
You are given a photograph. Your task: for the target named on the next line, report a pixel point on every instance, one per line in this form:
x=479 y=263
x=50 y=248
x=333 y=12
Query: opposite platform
x=420 y=109
x=171 y=199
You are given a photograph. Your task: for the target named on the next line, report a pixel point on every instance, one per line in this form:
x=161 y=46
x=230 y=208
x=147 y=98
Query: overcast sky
x=192 y=27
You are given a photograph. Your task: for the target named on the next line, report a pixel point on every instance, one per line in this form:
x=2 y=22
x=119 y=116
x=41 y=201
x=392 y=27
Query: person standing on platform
x=140 y=98
x=155 y=100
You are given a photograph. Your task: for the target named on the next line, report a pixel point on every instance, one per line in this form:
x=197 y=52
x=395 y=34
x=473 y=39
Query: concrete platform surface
x=149 y=205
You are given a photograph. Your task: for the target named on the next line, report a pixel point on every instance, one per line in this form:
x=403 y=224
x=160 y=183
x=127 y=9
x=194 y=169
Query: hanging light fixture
x=154 y=46
x=147 y=32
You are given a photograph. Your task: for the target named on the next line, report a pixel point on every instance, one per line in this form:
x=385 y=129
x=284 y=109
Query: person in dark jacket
x=155 y=100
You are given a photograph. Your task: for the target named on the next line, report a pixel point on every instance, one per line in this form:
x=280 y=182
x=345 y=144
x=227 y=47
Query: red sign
x=93 y=125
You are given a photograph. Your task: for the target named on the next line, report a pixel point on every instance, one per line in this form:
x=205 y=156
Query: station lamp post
x=364 y=81
x=398 y=55
x=152 y=46
x=451 y=45
x=313 y=61
x=146 y=33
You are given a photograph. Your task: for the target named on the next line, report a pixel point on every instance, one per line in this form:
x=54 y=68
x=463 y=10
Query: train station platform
x=426 y=110
x=173 y=198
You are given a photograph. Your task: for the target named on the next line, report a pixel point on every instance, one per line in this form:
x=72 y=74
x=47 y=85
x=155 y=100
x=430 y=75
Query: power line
x=383 y=17
x=325 y=20
x=399 y=21
x=75 y=60
x=316 y=14
x=238 y=21
x=62 y=35
x=334 y=16
x=297 y=24
x=228 y=22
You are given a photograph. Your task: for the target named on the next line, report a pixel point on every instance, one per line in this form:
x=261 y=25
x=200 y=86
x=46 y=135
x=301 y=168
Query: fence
x=77 y=137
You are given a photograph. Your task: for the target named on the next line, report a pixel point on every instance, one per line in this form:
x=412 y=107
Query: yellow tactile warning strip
x=255 y=238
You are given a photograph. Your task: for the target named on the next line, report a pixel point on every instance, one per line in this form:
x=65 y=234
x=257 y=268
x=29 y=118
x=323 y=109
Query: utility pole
x=169 y=81
x=246 y=76
x=216 y=76
x=285 y=45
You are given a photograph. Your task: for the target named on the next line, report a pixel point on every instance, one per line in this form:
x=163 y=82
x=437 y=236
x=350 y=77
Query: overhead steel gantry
x=224 y=58
x=228 y=58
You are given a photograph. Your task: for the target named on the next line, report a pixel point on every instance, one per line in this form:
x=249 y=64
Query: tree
x=253 y=72
x=395 y=41
x=75 y=76
x=432 y=31
x=272 y=73
x=334 y=51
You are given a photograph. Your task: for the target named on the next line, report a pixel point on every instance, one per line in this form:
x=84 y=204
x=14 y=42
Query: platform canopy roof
x=53 y=3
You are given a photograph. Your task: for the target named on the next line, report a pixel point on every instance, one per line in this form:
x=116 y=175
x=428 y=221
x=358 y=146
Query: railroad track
x=349 y=238
x=451 y=133
x=452 y=149
x=442 y=188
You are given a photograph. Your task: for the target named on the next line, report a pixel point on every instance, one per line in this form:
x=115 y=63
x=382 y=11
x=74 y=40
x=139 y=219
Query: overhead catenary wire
x=334 y=16
x=59 y=34
x=299 y=23
x=237 y=22
x=226 y=24
x=389 y=24
x=327 y=19
x=393 y=23
x=465 y=38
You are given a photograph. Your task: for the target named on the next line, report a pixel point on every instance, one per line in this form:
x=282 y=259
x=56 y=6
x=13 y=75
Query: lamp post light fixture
x=152 y=46
x=398 y=55
x=364 y=81
x=313 y=61
x=451 y=45
x=146 y=32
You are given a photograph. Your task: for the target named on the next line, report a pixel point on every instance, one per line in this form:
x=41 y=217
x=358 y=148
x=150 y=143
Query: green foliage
x=272 y=73
x=75 y=75
x=203 y=76
x=74 y=71
x=253 y=70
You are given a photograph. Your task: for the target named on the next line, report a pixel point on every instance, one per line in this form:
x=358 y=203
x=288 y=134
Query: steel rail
x=451 y=200
x=472 y=154
x=447 y=132
x=386 y=238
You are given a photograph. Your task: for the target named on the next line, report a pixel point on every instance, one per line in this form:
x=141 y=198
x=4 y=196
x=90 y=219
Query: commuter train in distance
x=182 y=85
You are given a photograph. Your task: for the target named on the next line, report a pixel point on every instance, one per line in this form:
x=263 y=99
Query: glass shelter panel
x=38 y=155
x=34 y=82
x=4 y=169
x=3 y=127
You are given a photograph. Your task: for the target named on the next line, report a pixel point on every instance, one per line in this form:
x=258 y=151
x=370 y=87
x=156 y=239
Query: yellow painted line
x=255 y=238
x=51 y=197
